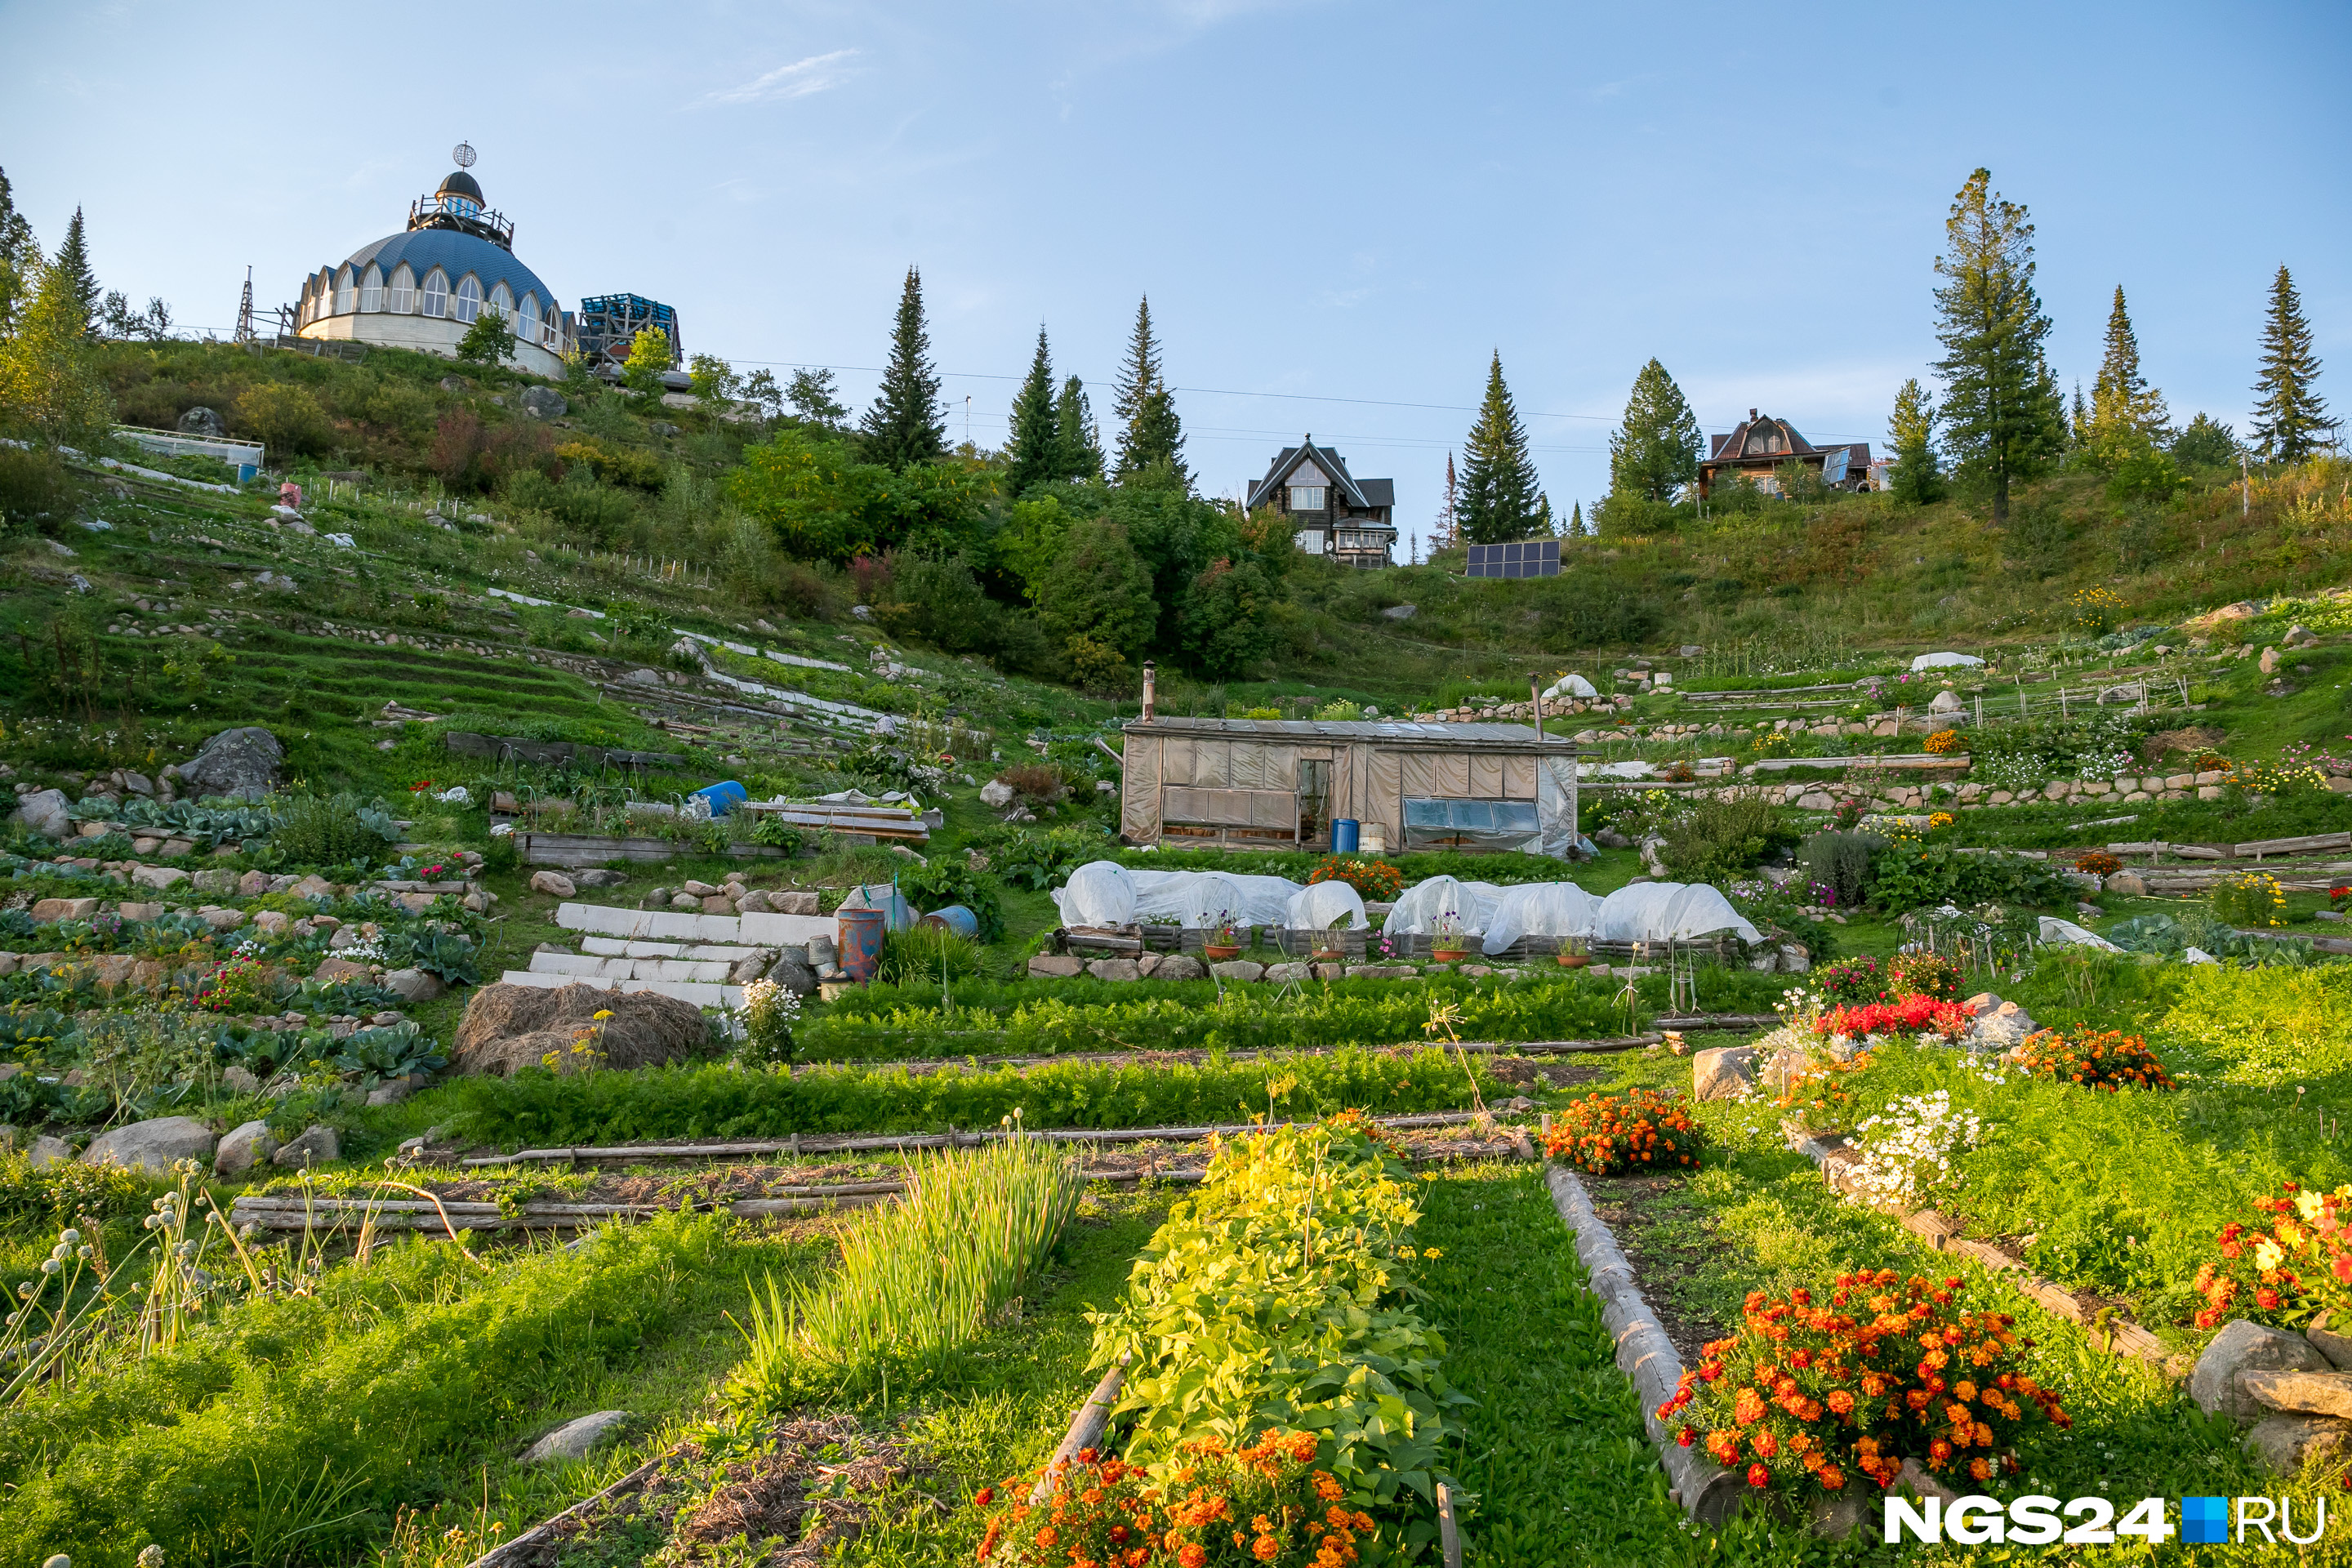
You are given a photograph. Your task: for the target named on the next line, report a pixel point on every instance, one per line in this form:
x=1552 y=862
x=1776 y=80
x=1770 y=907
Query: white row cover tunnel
x=1105 y=893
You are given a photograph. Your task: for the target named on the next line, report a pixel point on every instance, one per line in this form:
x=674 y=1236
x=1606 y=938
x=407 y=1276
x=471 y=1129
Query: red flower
x=1759 y=1476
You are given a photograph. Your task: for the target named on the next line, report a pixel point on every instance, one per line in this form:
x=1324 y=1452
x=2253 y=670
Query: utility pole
x=244 y=310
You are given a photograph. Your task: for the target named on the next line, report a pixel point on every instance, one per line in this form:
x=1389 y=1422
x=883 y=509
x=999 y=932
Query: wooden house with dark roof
x=1762 y=444
x=1331 y=512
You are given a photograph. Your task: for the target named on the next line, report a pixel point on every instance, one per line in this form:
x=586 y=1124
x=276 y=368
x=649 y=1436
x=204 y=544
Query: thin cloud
x=799 y=79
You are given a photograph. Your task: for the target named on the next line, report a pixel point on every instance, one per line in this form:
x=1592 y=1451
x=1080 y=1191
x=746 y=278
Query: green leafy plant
x=316 y=830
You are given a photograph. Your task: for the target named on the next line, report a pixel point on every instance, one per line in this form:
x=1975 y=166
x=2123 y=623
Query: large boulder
x=554 y=884
x=245 y=1147
x=545 y=403
x=153 y=1145
x=794 y=972
x=314 y=1145
x=1727 y=1072
x=508 y=1027
x=46 y=812
x=2244 y=1346
x=576 y=1439
x=1995 y=1024
x=242 y=762
x=2284 y=1444
x=2302 y=1392
x=996 y=795
x=1179 y=967
x=204 y=421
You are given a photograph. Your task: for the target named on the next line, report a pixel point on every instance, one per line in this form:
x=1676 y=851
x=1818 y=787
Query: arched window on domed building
x=469 y=298
x=346 y=292
x=401 y=298
x=527 y=330
x=371 y=289
x=436 y=293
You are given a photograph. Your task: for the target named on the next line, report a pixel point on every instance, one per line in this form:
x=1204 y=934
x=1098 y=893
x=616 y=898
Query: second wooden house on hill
x=1332 y=513
x=1762 y=444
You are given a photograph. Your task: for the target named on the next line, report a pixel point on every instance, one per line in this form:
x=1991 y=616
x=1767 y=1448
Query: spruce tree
x=1033 y=453
x=2003 y=418
x=1915 y=477
x=2078 y=424
x=2126 y=413
x=1497 y=500
x=1151 y=434
x=1077 y=446
x=1656 y=450
x=2290 y=422
x=1446 y=534
x=20 y=257
x=73 y=261
x=906 y=424
x=1576 y=522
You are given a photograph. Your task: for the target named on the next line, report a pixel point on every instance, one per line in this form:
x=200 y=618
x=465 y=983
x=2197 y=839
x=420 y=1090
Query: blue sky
x=1325 y=202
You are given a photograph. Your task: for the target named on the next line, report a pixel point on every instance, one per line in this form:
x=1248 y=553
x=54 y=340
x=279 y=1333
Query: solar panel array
x=1526 y=558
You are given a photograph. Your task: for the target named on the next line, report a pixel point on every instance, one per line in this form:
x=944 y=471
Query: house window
x=1310 y=542
x=1306 y=498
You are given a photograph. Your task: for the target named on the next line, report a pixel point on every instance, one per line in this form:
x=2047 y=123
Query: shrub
x=1611 y=1136
x=240 y=985
x=1715 y=838
x=1846 y=861
x=1105 y=1511
x=923 y=953
x=1851 y=981
x=2104 y=1058
x=315 y=830
x=1943 y=742
x=1923 y=974
x=2098 y=863
x=768 y=1012
x=946 y=881
x=1239 y=1318
x=1375 y=881
x=1036 y=860
x=1913 y=1015
x=1041 y=783
x=283 y=418
x=1804 y=1397
x=36 y=491
x=1911 y=875
x=2286 y=1266
x=2248 y=898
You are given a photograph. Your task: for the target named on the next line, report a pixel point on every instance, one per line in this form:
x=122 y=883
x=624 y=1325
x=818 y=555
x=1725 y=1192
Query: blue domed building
x=422 y=288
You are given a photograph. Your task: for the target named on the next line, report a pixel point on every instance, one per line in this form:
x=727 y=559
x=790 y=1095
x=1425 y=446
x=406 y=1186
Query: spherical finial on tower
x=463 y=154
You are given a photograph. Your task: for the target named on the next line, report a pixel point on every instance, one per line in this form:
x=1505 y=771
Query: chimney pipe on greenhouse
x=1150 y=673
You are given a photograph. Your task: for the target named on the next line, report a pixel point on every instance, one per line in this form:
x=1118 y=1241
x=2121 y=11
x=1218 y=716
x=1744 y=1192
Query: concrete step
x=621 y=947
x=590 y=966
x=699 y=994
x=679 y=926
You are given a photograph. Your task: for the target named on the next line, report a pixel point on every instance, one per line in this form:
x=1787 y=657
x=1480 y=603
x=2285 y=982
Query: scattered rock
x=2304 y=1392
x=48 y=1151
x=1114 y=969
x=203 y=421
x=237 y=1080
x=1609 y=838
x=754 y=902
x=47 y=909
x=2241 y=1347
x=996 y=795
x=392 y=1091
x=218 y=881
x=332 y=969
x=545 y=403
x=46 y=812
x=1055 y=967
x=222 y=920
x=314 y=1145
x=2323 y=1335
x=1402 y=612
x=242 y=762
x=1238 y=969
x=2128 y=884
x=1380 y=970
x=415 y=984
x=271 y=922
x=577 y=1439
x=1727 y=1072
x=599 y=878
x=1944 y=703
x=794 y=972
x=1179 y=967
x=699 y=890
x=2287 y=1443
x=245 y=1147
x=553 y=883
x=511 y=1027
x=1283 y=973
x=1998 y=1025
x=151 y=1145
x=253 y=885
x=2269 y=661
x=795 y=902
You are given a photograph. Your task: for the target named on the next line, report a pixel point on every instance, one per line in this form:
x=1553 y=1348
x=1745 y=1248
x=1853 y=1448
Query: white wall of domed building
x=424 y=289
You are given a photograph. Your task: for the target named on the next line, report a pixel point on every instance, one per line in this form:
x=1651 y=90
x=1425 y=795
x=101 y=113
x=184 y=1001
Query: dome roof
x=455 y=252
x=460 y=183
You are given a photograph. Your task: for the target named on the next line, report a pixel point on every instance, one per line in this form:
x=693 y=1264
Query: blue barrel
x=861 y=942
x=1345 y=831
x=957 y=918
x=723 y=797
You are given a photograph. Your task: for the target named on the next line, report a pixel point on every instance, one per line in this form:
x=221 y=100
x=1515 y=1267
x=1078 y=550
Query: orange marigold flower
x=1759 y=1476
x=1266 y=1548
x=1190 y=1555
x=983 y=1497
x=1830 y=1477
x=1047 y=1535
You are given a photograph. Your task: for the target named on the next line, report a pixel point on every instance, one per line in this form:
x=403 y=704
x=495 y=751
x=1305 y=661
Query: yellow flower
x=2307 y=1203
x=2267 y=1256
x=603 y=1014
x=1433 y=1252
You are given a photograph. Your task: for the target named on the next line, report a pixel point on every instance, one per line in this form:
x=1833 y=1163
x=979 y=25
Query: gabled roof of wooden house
x=1365 y=493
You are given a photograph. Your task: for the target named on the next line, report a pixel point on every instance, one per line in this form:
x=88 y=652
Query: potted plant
x=1449 y=941
x=1572 y=954
x=1225 y=938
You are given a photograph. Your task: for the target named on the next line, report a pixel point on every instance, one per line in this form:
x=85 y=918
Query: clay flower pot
x=1574 y=960
x=1449 y=954
x=1218 y=951
x=1330 y=955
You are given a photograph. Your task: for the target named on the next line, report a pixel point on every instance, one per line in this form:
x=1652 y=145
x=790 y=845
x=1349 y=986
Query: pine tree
x=2125 y=412
x=2003 y=417
x=2078 y=424
x=1449 y=523
x=1034 y=454
x=1576 y=522
x=1497 y=500
x=2290 y=422
x=1150 y=433
x=20 y=257
x=1077 y=445
x=73 y=259
x=906 y=424
x=1915 y=475
x=1656 y=450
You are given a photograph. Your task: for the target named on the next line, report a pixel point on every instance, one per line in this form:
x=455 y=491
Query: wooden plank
x=2310 y=843
x=1085 y=1431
